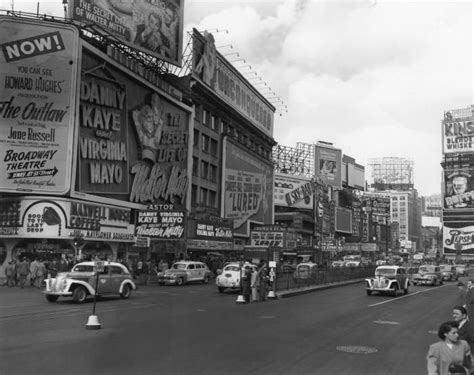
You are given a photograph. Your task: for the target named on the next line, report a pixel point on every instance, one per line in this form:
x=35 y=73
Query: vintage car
x=461 y=269
x=230 y=276
x=338 y=264
x=448 y=272
x=305 y=271
x=428 y=274
x=80 y=282
x=388 y=279
x=184 y=272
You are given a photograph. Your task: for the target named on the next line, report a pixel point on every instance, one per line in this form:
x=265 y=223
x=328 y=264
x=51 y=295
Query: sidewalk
x=315 y=288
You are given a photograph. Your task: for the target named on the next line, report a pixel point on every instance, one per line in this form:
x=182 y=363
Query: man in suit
x=464 y=328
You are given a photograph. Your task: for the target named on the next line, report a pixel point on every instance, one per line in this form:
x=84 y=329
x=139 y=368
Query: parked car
x=338 y=264
x=388 y=279
x=461 y=269
x=428 y=275
x=305 y=271
x=353 y=263
x=380 y=262
x=80 y=282
x=230 y=276
x=448 y=272
x=184 y=272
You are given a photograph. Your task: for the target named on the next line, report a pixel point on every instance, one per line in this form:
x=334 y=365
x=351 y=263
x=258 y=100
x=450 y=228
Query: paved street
x=195 y=330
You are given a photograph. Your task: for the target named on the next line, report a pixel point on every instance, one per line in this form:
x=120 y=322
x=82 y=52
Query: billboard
x=64 y=218
x=154 y=27
x=247 y=186
x=328 y=164
x=291 y=191
x=459 y=188
x=343 y=220
x=38 y=74
x=356 y=176
x=132 y=144
x=458 y=235
x=161 y=223
x=458 y=131
x=214 y=71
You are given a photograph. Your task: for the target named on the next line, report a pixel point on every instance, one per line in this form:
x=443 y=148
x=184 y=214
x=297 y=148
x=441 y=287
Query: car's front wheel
x=369 y=292
x=180 y=281
x=395 y=290
x=206 y=280
x=220 y=289
x=405 y=290
x=51 y=298
x=126 y=291
x=79 y=295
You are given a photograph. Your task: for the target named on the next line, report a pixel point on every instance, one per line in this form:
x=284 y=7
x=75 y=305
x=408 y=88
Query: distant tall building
x=432 y=206
x=391 y=173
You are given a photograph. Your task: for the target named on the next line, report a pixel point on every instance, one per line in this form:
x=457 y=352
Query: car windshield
x=232 y=268
x=179 y=266
x=427 y=269
x=83 y=268
x=385 y=271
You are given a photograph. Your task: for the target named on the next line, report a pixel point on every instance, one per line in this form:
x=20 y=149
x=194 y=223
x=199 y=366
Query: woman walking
x=450 y=355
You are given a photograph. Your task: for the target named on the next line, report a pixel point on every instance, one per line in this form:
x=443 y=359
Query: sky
x=372 y=77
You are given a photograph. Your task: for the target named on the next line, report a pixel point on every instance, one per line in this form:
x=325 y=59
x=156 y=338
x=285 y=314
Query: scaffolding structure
x=392 y=173
x=297 y=161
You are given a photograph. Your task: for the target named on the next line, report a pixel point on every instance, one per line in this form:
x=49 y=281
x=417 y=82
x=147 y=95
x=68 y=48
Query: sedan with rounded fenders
x=80 y=282
x=388 y=279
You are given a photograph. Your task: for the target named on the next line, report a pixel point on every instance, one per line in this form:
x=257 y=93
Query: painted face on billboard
x=459 y=184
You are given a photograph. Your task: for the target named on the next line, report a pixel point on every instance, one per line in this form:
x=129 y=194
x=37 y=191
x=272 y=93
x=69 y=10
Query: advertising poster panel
x=328 y=165
x=161 y=223
x=458 y=233
x=247 y=187
x=212 y=69
x=154 y=27
x=458 y=132
x=65 y=218
x=38 y=75
x=459 y=188
x=291 y=191
x=133 y=141
x=343 y=221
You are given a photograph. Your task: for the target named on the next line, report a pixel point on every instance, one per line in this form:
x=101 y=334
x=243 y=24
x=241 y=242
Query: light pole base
x=93 y=322
x=240 y=299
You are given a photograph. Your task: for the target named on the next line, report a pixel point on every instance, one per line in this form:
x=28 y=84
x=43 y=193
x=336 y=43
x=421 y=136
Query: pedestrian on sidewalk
x=450 y=355
x=33 y=266
x=262 y=276
x=40 y=273
x=10 y=273
x=469 y=299
x=254 y=284
x=246 y=290
x=22 y=269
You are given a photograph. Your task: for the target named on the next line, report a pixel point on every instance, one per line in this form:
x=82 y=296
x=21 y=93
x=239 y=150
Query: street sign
x=99 y=266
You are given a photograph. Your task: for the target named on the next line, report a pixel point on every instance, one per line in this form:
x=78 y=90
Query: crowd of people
x=21 y=272
x=453 y=354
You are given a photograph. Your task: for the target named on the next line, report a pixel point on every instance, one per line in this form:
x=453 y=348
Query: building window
x=204 y=117
x=195 y=166
x=204 y=169
x=214 y=147
x=212 y=198
x=205 y=143
x=215 y=124
x=194 y=190
x=196 y=138
x=213 y=173
x=203 y=197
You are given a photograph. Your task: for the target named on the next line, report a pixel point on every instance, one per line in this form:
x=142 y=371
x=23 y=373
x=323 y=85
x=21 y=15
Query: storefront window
x=3 y=253
x=47 y=250
x=99 y=249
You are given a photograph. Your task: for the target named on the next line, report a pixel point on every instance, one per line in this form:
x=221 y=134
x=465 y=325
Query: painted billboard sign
x=212 y=69
x=455 y=234
x=291 y=191
x=65 y=218
x=152 y=26
x=247 y=187
x=458 y=133
x=459 y=189
x=133 y=140
x=38 y=75
x=161 y=224
x=328 y=164
x=208 y=230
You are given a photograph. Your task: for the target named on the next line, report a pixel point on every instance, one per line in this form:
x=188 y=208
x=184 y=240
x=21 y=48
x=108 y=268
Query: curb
x=315 y=288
